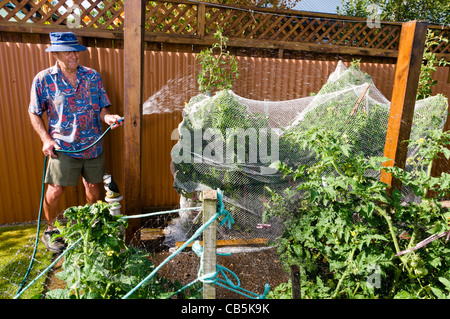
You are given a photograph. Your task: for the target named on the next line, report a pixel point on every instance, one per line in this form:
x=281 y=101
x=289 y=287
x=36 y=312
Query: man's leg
x=61 y=172
x=51 y=203
x=93 y=171
x=93 y=192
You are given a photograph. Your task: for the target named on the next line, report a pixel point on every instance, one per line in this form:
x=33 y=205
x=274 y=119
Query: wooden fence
x=194 y=23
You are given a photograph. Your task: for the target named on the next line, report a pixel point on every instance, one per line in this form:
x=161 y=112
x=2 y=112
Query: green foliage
x=429 y=65
x=16 y=249
x=101 y=266
x=434 y=11
x=218 y=66
x=229 y=120
x=228 y=159
x=282 y=291
x=279 y=4
x=365 y=124
x=355 y=8
x=343 y=228
x=336 y=106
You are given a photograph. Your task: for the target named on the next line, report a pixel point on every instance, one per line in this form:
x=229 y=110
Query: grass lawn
x=16 y=248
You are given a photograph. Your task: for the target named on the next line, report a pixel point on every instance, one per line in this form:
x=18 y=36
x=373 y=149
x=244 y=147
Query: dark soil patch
x=254 y=269
x=53 y=282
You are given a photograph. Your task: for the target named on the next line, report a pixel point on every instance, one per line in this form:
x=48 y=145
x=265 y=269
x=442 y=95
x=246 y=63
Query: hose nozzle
x=118 y=121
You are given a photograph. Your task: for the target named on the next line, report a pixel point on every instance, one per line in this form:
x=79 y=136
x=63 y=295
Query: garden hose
x=120 y=120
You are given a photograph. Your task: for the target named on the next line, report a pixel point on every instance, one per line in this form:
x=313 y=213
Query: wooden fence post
x=201 y=17
x=209 y=241
x=407 y=72
x=133 y=70
x=296 y=283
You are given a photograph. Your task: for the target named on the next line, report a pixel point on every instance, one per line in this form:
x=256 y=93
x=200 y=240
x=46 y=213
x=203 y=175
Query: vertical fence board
x=412 y=44
x=133 y=82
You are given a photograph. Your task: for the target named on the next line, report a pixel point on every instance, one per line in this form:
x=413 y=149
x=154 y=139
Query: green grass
x=16 y=248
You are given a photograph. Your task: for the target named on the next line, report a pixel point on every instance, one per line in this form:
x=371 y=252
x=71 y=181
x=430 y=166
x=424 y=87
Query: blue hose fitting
x=117 y=122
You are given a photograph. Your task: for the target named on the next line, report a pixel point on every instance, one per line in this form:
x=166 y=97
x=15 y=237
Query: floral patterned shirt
x=73 y=112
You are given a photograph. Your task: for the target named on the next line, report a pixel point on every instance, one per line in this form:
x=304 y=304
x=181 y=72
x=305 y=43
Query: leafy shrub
x=100 y=265
x=351 y=237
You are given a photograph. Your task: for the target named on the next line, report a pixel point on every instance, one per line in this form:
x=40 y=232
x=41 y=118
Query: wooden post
x=295 y=281
x=409 y=61
x=209 y=241
x=201 y=17
x=133 y=70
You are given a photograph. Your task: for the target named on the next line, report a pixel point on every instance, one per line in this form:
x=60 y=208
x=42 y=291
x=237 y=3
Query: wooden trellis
x=90 y=13
x=182 y=21
x=274 y=27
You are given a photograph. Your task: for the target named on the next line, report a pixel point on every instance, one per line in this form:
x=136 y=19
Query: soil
x=254 y=269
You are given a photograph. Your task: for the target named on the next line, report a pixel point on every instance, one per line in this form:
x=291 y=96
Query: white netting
x=228 y=142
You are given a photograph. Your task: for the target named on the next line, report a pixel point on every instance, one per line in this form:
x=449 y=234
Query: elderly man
x=76 y=102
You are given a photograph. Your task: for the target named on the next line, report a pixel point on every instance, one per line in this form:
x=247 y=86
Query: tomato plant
x=351 y=237
x=218 y=66
x=101 y=265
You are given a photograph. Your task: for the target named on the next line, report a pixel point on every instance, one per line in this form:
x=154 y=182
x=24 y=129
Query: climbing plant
x=429 y=65
x=218 y=67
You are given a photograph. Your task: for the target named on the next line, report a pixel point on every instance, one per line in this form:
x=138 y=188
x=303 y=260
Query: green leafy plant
x=429 y=65
x=219 y=67
x=352 y=238
x=336 y=105
x=229 y=119
x=282 y=291
x=101 y=266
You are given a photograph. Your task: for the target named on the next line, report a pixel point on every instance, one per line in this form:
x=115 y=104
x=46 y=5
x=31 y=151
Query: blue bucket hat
x=64 y=41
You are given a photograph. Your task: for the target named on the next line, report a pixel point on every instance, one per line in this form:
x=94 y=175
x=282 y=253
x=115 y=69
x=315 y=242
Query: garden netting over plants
x=231 y=143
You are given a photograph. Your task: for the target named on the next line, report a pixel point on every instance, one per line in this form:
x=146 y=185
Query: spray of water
x=166 y=100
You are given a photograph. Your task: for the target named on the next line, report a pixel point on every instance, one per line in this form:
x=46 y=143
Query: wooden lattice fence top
x=194 y=20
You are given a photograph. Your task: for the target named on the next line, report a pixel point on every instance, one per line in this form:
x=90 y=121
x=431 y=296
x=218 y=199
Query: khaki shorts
x=66 y=170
